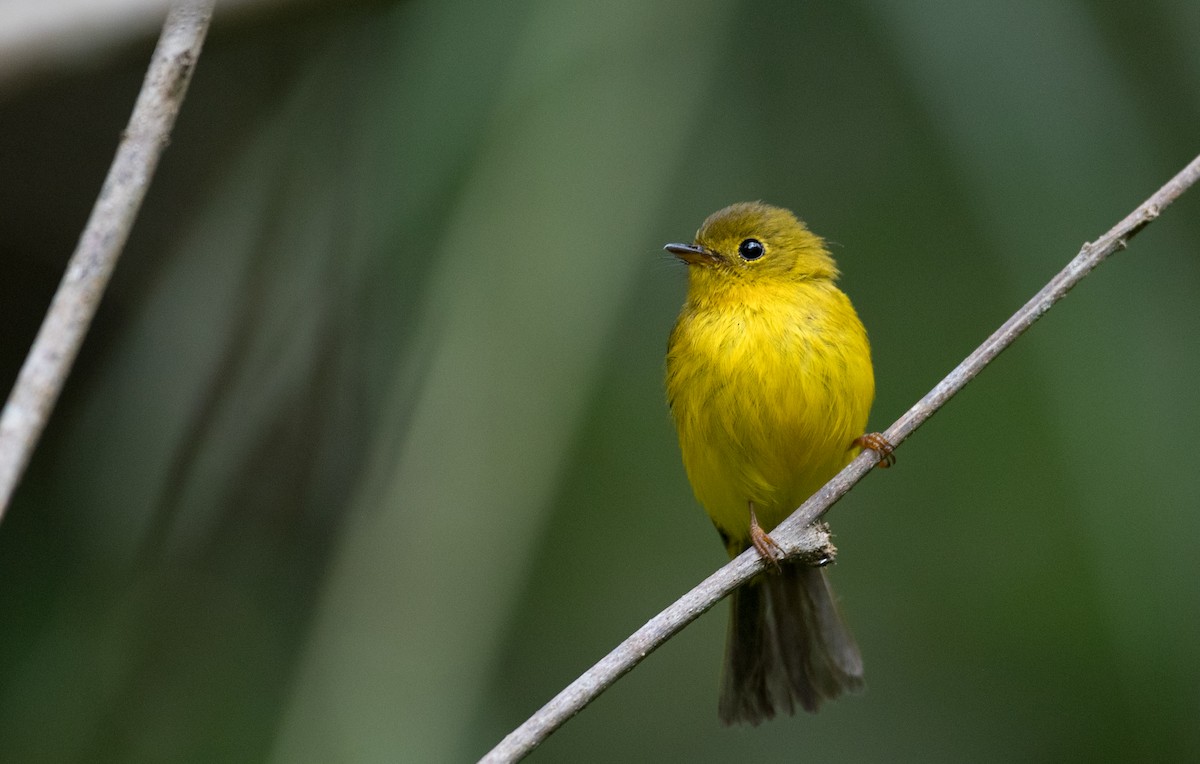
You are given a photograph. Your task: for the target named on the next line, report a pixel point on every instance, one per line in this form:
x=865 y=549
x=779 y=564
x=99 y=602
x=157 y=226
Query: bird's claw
x=880 y=445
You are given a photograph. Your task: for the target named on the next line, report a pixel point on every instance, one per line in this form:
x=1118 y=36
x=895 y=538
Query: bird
x=770 y=383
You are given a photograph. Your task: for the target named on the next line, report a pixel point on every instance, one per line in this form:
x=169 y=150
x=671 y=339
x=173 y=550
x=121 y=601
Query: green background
x=367 y=455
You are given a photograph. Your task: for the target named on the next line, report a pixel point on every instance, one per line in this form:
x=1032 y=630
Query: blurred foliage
x=367 y=455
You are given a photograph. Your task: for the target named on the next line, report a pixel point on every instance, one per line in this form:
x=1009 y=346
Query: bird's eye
x=751 y=249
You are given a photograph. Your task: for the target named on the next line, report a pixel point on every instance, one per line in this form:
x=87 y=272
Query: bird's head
x=754 y=243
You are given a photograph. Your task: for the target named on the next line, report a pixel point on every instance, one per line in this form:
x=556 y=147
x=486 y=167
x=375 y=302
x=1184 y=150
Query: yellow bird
x=770 y=382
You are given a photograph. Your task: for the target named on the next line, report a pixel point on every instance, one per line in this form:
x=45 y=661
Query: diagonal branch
x=795 y=533
x=74 y=305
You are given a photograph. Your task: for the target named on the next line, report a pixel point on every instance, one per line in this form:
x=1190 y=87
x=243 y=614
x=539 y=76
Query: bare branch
x=74 y=305
x=796 y=533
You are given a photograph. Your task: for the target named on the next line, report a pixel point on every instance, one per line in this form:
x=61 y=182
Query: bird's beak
x=693 y=254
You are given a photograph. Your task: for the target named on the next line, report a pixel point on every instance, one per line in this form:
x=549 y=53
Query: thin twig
x=74 y=305
x=795 y=534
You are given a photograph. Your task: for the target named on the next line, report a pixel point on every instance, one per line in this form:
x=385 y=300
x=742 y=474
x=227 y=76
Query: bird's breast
x=767 y=397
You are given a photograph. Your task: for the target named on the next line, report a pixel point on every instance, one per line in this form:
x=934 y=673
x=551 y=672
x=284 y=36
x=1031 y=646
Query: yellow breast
x=768 y=386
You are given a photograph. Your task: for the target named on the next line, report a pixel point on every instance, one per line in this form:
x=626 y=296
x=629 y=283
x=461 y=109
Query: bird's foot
x=880 y=445
x=770 y=551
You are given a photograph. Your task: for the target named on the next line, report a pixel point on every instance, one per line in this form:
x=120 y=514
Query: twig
x=74 y=305
x=795 y=533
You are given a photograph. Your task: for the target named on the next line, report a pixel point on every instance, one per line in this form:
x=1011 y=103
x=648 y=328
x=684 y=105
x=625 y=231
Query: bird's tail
x=787 y=645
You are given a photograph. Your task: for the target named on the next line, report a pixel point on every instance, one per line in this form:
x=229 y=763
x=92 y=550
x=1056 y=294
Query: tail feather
x=787 y=645
x=750 y=660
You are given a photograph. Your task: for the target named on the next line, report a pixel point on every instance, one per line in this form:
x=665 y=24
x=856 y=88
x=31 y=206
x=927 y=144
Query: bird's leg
x=880 y=445
x=766 y=546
